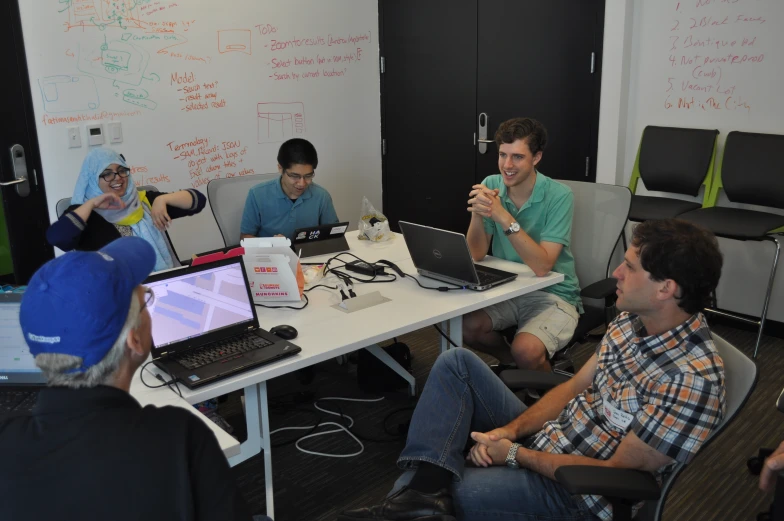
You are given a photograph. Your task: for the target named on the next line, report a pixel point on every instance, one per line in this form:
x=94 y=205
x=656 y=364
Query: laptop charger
x=371 y=270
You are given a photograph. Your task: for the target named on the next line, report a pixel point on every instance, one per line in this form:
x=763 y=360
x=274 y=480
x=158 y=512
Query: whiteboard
x=706 y=64
x=205 y=90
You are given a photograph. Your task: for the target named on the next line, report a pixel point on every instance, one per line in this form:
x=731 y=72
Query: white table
x=326 y=333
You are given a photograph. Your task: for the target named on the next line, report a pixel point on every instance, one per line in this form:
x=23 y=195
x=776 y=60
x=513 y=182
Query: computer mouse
x=284 y=331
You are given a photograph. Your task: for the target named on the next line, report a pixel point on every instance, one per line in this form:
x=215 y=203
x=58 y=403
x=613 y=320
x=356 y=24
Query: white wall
x=134 y=61
x=637 y=48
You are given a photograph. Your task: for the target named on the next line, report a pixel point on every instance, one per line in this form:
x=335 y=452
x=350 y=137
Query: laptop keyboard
x=222 y=351
x=17 y=400
x=487 y=277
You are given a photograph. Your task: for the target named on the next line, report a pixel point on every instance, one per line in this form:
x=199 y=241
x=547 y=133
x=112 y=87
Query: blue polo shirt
x=545 y=216
x=269 y=211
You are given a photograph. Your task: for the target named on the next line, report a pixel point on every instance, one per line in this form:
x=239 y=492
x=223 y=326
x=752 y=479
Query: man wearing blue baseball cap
x=89 y=450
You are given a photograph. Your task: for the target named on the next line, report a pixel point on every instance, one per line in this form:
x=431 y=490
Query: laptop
x=320 y=240
x=444 y=255
x=20 y=379
x=204 y=324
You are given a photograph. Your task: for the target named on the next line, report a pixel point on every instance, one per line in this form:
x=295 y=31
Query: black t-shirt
x=97 y=454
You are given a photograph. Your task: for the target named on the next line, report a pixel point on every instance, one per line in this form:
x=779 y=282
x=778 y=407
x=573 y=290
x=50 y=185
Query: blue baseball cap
x=77 y=304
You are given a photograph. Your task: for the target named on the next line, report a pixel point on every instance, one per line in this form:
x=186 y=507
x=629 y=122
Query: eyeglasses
x=149 y=298
x=297 y=177
x=110 y=175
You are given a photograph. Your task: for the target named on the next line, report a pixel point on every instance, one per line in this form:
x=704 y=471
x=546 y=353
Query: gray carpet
x=716 y=486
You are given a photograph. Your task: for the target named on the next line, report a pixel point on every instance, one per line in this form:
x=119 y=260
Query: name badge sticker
x=617 y=417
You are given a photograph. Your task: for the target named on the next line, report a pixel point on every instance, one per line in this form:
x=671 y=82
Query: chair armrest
x=626 y=484
x=516 y=379
x=600 y=289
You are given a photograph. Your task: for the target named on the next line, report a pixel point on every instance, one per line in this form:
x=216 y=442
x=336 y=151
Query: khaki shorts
x=546 y=316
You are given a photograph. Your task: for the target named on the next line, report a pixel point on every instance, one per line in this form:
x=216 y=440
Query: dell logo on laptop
x=3 y=377
x=436 y=254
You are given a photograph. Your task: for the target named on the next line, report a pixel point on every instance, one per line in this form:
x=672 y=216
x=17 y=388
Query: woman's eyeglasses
x=111 y=175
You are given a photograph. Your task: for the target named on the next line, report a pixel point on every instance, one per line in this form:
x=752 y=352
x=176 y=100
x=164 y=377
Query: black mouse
x=284 y=331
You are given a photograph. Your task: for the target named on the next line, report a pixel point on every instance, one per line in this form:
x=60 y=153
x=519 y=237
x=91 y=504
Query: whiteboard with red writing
x=206 y=90
x=706 y=64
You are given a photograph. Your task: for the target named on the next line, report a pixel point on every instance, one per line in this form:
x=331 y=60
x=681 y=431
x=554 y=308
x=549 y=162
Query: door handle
x=483 y=141
x=9 y=183
x=19 y=167
x=486 y=140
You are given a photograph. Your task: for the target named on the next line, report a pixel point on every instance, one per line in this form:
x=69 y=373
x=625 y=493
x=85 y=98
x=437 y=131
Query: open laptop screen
x=195 y=303
x=17 y=365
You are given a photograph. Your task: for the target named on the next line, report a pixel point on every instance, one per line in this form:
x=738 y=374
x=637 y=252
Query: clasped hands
x=491 y=447
x=485 y=202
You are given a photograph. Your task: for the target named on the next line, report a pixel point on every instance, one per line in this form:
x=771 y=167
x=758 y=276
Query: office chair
x=749 y=171
x=600 y=214
x=623 y=488
x=63 y=204
x=673 y=160
x=227 y=200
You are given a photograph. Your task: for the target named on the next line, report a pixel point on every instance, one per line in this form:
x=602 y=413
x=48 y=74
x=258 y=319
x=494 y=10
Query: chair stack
x=749 y=172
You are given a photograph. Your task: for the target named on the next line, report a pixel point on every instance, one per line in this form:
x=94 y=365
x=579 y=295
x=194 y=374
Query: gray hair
x=56 y=365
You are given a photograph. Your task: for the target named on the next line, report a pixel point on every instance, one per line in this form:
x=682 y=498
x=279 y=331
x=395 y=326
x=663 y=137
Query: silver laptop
x=444 y=255
x=20 y=379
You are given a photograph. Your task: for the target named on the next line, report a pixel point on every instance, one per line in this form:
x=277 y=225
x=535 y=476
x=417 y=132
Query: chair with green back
x=750 y=171
x=672 y=160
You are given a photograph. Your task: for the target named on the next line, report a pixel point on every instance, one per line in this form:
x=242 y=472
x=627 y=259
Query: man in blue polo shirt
x=528 y=218
x=280 y=206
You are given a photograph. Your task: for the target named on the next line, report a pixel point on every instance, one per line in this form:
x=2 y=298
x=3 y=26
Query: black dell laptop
x=204 y=324
x=444 y=255
x=20 y=379
x=320 y=240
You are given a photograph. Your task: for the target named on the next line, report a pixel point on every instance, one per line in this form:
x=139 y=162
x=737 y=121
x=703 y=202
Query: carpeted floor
x=716 y=486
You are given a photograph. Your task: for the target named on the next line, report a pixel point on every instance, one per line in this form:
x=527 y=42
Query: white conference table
x=326 y=333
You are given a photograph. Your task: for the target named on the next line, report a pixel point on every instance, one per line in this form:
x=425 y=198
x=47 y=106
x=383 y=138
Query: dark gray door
x=23 y=213
x=428 y=107
x=447 y=62
x=541 y=60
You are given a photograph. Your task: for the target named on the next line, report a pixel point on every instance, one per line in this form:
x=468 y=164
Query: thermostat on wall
x=95 y=134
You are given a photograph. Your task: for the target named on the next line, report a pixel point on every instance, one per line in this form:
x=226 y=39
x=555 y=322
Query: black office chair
x=600 y=214
x=624 y=488
x=750 y=172
x=673 y=160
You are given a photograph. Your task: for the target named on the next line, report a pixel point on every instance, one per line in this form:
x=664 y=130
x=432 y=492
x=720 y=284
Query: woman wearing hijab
x=106 y=205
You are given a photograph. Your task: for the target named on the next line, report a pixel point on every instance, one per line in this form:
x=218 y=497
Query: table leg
x=444 y=341
x=456 y=330
x=257 y=422
x=385 y=357
x=266 y=444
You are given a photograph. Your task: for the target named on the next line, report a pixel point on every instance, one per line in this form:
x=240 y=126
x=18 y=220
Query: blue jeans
x=462 y=395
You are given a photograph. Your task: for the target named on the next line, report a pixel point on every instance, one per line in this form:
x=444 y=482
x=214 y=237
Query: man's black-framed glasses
x=297 y=177
x=149 y=298
x=110 y=175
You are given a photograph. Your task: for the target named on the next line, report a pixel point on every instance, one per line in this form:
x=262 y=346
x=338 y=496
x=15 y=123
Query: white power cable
x=338 y=425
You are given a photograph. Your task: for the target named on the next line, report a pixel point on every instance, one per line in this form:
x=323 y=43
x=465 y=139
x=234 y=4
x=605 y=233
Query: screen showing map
x=17 y=365
x=191 y=305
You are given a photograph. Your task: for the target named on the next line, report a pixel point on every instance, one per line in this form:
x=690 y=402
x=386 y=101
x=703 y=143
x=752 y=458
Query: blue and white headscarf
x=87 y=188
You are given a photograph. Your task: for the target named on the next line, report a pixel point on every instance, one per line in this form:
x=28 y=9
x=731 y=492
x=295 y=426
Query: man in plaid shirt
x=647 y=398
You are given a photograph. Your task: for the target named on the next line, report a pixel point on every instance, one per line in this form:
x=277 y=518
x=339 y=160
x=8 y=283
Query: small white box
x=115 y=132
x=74 y=137
x=95 y=134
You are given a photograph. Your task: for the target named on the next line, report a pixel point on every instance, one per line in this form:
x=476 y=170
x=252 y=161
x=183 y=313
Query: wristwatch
x=511 y=456
x=513 y=228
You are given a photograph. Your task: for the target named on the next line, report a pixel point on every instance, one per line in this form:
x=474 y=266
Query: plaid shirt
x=668 y=389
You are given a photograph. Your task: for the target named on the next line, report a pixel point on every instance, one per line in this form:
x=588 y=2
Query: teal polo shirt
x=269 y=211
x=545 y=216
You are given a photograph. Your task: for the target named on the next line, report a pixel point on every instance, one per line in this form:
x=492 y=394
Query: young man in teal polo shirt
x=280 y=206
x=530 y=216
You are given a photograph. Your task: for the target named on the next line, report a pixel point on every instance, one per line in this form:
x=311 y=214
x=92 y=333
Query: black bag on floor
x=374 y=376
